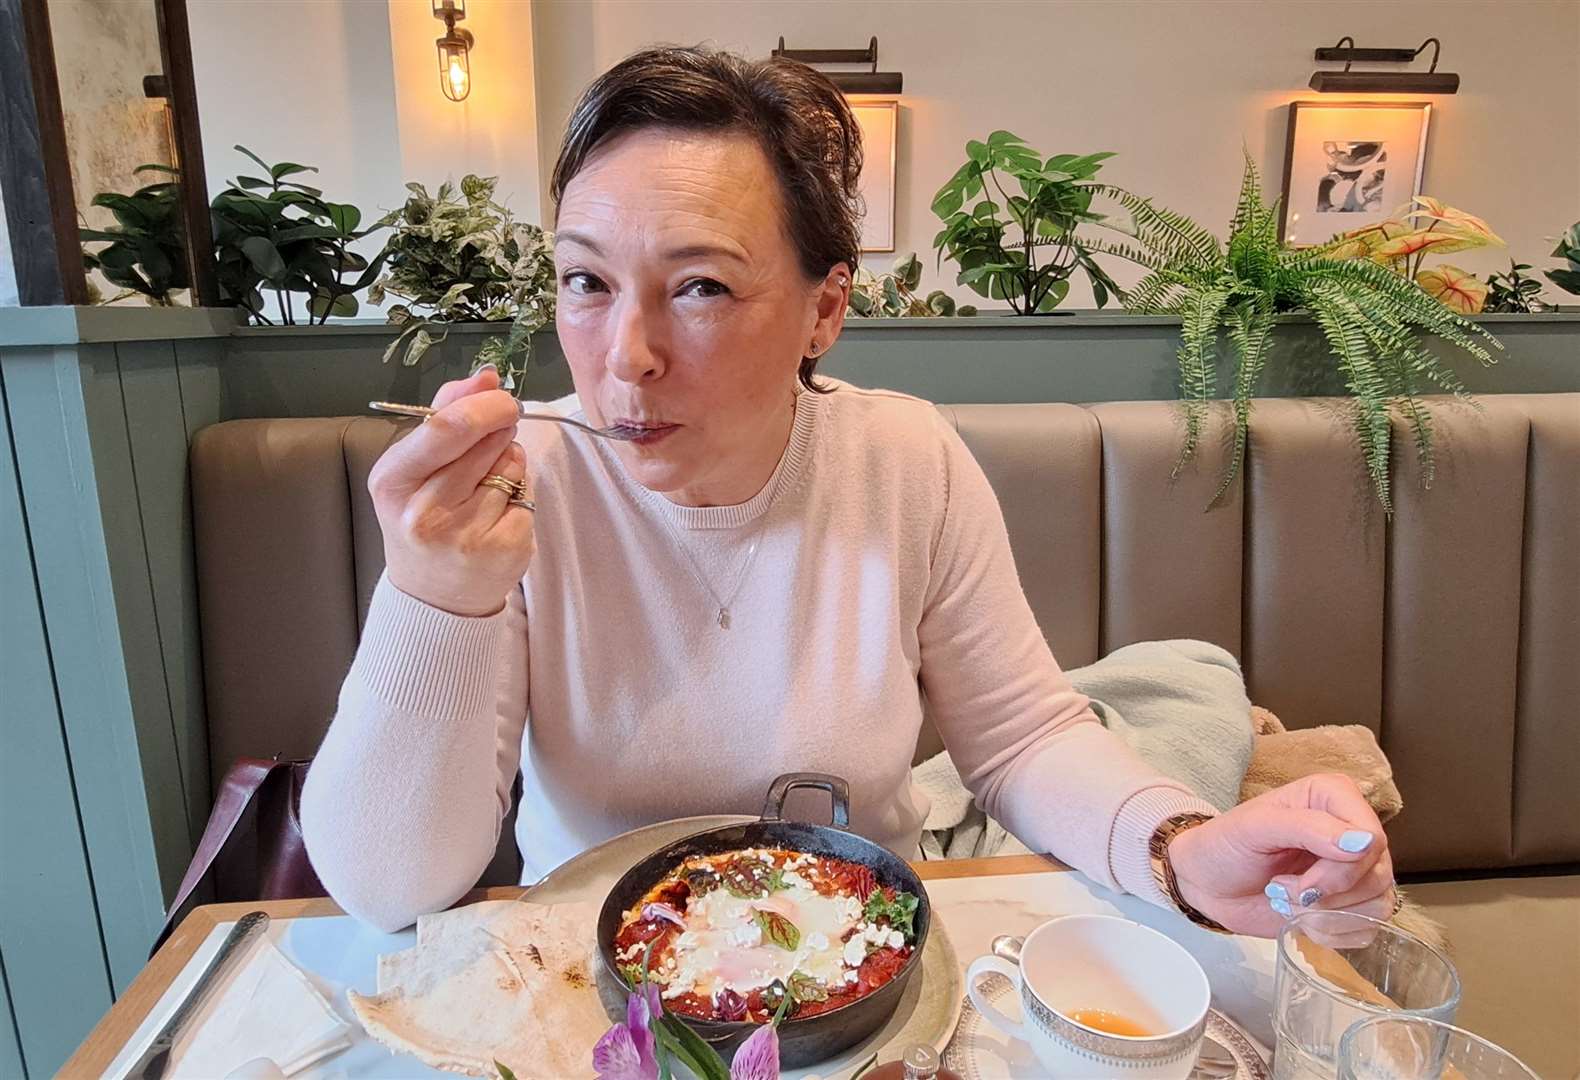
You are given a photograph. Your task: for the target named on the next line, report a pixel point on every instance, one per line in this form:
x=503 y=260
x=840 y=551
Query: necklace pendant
x=724 y=618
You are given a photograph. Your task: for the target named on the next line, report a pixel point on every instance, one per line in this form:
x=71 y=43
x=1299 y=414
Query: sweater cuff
x=1129 y=855
x=425 y=661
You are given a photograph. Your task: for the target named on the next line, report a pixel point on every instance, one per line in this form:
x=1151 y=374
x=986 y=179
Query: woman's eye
x=704 y=287
x=580 y=282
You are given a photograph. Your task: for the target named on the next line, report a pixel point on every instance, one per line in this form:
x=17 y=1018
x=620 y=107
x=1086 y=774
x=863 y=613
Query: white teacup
x=1081 y=963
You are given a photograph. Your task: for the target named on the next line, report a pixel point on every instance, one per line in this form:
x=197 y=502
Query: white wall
x=1174 y=86
x=352 y=86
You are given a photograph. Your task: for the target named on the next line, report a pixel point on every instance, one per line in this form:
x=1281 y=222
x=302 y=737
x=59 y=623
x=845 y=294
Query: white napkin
x=269 y=1009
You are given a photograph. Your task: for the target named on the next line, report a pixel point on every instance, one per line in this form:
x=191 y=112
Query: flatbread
x=501 y=980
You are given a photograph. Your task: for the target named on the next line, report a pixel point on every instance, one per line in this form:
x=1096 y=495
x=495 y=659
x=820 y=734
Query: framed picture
x=880 y=126
x=1350 y=164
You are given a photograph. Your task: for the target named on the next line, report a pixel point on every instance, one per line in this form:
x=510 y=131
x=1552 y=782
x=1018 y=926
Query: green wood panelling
x=10 y=1046
x=73 y=457
x=151 y=392
x=56 y=977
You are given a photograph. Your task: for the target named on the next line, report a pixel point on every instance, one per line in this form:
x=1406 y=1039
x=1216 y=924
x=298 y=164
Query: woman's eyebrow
x=578 y=238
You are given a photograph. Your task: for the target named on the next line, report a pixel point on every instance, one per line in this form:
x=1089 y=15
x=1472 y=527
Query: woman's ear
x=833 y=297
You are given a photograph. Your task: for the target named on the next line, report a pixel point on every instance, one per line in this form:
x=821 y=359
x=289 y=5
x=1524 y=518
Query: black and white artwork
x=1355 y=177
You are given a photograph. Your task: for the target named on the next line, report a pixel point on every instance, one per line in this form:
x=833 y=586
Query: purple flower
x=664 y=911
x=628 y=1051
x=731 y=1005
x=758 y=1057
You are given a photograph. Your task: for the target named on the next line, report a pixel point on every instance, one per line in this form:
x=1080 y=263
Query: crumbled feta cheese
x=817 y=941
x=896 y=939
x=852 y=977
x=855 y=950
x=749 y=935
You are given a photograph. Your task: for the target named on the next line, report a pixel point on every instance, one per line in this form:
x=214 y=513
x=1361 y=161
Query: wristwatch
x=1163 y=869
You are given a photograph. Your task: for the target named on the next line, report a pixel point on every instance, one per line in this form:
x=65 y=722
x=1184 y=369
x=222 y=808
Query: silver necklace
x=723 y=616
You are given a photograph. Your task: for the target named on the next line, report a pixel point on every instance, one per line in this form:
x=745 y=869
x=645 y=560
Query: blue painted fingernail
x=1355 y=841
x=1280 y=906
x=1275 y=891
x=1310 y=896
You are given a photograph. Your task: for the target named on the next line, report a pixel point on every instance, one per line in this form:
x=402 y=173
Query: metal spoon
x=614 y=431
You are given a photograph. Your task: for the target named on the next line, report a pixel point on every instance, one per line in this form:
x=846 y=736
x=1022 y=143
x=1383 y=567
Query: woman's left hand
x=1312 y=844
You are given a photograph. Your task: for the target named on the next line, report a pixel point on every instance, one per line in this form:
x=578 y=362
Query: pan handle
x=838 y=790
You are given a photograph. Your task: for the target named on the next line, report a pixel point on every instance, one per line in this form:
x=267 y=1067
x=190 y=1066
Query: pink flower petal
x=616 y=1057
x=758 y=1057
x=664 y=911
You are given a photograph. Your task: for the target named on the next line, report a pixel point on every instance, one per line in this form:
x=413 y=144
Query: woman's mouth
x=646 y=432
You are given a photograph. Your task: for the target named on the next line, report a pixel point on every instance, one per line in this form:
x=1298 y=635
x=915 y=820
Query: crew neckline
x=789 y=469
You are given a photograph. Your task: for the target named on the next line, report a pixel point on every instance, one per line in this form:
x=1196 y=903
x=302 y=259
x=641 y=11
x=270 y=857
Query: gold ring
x=501 y=483
x=523 y=501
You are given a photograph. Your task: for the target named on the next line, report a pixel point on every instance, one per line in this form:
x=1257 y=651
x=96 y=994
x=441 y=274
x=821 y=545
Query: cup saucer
x=980 y=1051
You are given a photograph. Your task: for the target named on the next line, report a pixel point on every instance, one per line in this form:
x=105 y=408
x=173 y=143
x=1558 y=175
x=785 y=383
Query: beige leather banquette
x=1453 y=631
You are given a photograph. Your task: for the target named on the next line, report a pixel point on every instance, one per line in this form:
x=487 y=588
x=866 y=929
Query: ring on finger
x=502 y=483
x=522 y=501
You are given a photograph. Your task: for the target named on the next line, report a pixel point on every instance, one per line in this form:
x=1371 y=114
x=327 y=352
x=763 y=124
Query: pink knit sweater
x=883 y=587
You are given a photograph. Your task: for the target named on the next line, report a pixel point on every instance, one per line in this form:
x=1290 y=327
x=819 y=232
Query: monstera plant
x=1018 y=243
x=1420 y=228
x=1373 y=318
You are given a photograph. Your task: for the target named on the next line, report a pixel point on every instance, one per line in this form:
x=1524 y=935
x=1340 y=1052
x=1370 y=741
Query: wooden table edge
x=110 y=1034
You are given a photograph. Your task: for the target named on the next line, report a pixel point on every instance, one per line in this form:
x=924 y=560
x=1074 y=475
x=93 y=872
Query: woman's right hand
x=449 y=542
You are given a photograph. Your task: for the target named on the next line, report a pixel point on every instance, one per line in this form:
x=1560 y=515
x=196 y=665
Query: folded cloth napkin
x=269 y=1009
x=1280 y=756
x=1179 y=704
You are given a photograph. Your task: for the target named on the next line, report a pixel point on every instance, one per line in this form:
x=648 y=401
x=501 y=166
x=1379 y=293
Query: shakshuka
x=731 y=936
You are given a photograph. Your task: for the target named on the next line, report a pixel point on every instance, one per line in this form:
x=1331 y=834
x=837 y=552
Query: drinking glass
x=1335 y=968
x=1401 y=1047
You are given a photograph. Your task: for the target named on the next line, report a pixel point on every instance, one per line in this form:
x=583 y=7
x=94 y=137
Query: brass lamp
x=455 y=68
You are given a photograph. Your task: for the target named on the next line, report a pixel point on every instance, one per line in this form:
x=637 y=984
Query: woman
x=773 y=579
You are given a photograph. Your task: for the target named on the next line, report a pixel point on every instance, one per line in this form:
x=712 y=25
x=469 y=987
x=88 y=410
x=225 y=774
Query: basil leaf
x=778 y=929
x=504 y=1073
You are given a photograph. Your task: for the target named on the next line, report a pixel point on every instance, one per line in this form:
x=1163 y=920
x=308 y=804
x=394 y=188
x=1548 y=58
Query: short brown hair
x=797 y=116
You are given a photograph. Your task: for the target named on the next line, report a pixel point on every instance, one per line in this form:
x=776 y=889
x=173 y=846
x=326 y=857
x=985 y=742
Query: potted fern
x=1373 y=319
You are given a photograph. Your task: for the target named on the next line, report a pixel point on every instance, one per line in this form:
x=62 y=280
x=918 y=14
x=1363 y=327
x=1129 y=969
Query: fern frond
x=1198 y=363
x=1340 y=323
x=1250 y=197
x=1165 y=232
x=1251 y=332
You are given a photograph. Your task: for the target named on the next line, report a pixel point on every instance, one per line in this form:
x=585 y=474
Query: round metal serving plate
x=928 y=1010
x=980 y=1051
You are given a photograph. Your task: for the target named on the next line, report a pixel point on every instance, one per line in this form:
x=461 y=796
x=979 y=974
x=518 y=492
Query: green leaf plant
x=145 y=250
x=1374 y=321
x=892 y=294
x=277 y=235
x=1017 y=241
x=458 y=256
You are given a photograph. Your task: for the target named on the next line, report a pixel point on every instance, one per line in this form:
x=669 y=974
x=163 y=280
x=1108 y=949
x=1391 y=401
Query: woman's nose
x=634 y=355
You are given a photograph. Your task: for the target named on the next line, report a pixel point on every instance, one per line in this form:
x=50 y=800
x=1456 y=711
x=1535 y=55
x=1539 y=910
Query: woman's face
x=682 y=306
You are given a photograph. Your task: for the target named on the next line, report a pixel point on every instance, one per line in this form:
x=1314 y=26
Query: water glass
x=1336 y=968
x=1401 y=1047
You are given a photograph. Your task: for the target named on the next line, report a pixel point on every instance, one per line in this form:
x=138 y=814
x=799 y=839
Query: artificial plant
x=1513 y=292
x=1416 y=230
x=1021 y=247
x=282 y=236
x=892 y=294
x=1568 y=249
x=1374 y=320
x=145 y=252
x=461 y=257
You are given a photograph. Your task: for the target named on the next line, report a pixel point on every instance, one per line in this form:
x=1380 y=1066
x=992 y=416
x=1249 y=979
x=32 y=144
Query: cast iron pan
x=815 y=1038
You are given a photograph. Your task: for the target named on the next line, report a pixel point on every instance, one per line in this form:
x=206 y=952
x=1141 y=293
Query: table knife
x=156 y=1059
